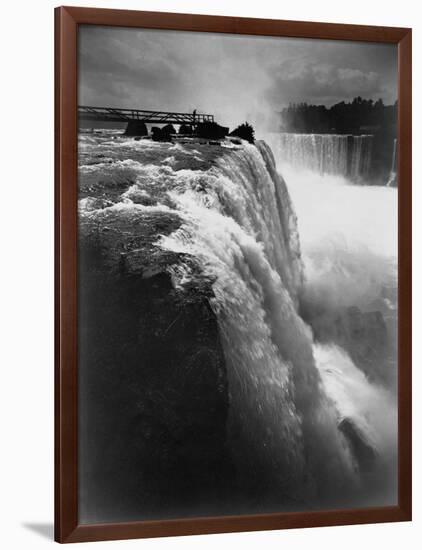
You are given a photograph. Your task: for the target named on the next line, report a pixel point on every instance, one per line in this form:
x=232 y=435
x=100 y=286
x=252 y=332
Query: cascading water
x=237 y=229
x=344 y=155
x=242 y=230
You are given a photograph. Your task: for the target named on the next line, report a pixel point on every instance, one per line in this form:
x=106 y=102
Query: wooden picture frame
x=67 y=527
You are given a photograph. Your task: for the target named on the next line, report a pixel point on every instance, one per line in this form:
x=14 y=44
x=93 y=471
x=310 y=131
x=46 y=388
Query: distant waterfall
x=345 y=155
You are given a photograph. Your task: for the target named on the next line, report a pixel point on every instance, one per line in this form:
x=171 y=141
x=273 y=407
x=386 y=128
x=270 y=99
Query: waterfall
x=240 y=226
x=345 y=155
x=306 y=427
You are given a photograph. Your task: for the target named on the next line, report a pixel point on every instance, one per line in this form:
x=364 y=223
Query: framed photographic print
x=233 y=274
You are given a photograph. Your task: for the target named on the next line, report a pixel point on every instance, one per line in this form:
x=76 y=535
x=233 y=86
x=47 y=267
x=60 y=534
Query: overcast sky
x=233 y=77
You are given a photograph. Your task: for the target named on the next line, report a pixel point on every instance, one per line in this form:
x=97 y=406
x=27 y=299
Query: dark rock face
x=211 y=130
x=153 y=388
x=135 y=128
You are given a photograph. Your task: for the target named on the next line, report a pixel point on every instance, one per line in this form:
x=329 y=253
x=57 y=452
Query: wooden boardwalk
x=110 y=114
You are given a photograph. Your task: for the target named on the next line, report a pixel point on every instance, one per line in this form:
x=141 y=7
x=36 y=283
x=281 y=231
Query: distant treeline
x=360 y=116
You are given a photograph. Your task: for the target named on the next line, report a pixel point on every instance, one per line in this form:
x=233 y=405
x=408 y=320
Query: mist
x=348 y=236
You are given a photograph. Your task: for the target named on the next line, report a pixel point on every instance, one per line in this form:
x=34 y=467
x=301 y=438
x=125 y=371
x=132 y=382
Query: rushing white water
x=243 y=231
x=288 y=393
x=344 y=155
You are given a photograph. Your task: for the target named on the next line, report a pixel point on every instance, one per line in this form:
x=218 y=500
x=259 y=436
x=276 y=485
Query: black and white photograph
x=237 y=274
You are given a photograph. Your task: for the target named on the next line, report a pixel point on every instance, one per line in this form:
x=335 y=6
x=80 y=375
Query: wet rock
x=136 y=128
x=163 y=134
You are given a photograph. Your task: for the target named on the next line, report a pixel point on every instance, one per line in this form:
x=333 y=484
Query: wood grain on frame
x=66 y=442
x=66 y=480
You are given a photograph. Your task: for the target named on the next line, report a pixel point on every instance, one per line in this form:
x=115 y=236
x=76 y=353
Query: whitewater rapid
x=258 y=240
